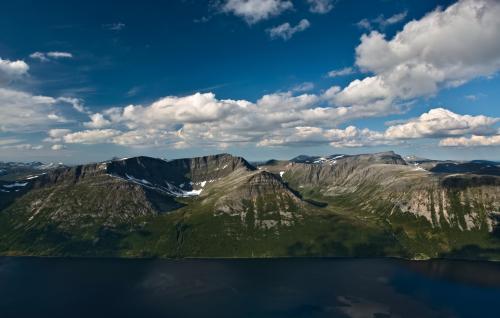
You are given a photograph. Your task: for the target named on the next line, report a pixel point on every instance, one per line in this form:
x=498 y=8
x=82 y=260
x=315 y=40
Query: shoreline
x=277 y=258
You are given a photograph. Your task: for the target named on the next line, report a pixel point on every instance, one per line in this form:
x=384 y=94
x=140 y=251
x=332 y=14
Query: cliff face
x=179 y=171
x=336 y=169
x=263 y=201
x=385 y=184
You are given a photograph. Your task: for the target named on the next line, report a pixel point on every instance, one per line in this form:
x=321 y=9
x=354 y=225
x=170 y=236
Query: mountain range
x=221 y=205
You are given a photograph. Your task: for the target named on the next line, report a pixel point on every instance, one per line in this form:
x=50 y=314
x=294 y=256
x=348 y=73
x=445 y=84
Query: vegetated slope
x=438 y=213
x=89 y=209
x=222 y=206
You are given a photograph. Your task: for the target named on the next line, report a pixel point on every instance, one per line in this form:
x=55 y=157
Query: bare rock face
x=263 y=201
x=386 y=184
x=336 y=169
x=119 y=191
x=458 y=201
x=185 y=174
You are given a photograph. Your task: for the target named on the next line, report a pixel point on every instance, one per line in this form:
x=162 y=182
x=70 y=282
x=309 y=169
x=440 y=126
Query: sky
x=84 y=81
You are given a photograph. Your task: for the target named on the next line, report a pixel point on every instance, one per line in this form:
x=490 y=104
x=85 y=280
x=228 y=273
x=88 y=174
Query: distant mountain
x=15 y=170
x=377 y=204
x=473 y=167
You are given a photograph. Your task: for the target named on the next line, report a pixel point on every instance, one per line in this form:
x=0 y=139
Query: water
x=36 y=287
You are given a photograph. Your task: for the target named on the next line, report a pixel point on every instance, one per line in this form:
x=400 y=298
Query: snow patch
x=137 y=180
x=324 y=160
x=169 y=188
x=16 y=184
x=192 y=192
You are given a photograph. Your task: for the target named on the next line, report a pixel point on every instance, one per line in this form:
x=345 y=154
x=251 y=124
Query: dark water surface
x=38 y=287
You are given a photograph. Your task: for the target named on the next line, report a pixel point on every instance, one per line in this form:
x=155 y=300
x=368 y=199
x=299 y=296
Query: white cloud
x=440 y=122
x=23 y=147
x=285 y=31
x=303 y=87
x=382 y=22
x=418 y=61
x=118 y=26
x=8 y=141
x=196 y=108
x=76 y=103
x=94 y=136
x=437 y=123
x=12 y=70
x=20 y=111
x=339 y=138
x=254 y=11
x=202 y=119
x=97 y=120
x=341 y=72
x=55 y=135
x=445 y=48
x=320 y=6
x=23 y=112
x=39 y=56
x=147 y=137
x=58 y=147
x=60 y=55
x=472 y=141
x=47 y=56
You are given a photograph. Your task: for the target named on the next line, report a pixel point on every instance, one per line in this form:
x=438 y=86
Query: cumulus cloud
x=12 y=70
x=341 y=72
x=148 y=137
x=285 y=31
x=20 y=111
x=320 y=6
x=424 y=57
x=202 y=119
x=441 y=122
x=351 y=136
x=24 y=112
x=47 y=56
x=55 y=135
x=253 y=11
x=427 y=55
x=97 y=120
x=472 y=141
x=437 y=123
x=94 y=136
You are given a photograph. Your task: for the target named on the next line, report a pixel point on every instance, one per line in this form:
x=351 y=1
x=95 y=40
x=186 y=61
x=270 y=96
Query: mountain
x=16 y=170
x=222 y=206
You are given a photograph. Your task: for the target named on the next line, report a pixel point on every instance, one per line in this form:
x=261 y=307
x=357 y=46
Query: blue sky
x=86 y=81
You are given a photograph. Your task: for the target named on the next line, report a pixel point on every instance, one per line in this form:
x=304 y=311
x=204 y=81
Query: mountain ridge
x=339 y=205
